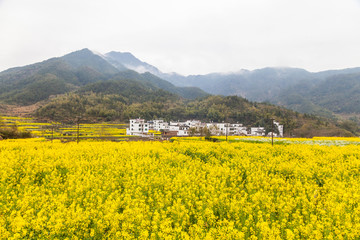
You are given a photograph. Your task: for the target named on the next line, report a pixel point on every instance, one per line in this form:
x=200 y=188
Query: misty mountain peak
x=127 y=60
x=87 y=58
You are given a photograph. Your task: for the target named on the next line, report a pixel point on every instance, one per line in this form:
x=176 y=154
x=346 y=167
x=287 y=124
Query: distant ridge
x=107 y=88
x=329 y=94
x=37 y=82
x=279 y=85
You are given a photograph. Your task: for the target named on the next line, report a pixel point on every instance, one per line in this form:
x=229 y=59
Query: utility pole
x=78 y=129
x=52 y=132
x=226 y=124
x=272 y=132
x=226 y=130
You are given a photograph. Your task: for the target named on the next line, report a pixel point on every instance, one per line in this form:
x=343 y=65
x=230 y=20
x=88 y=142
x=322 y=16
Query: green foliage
x=83 y=83
x=335 y=94
x=105 y=105
x=37 y=82
x=40 y=89
x=350 y=126
x=86 y=58
x=12 y=131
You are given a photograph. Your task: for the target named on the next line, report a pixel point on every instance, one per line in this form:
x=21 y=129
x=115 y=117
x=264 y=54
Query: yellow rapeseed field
x=178 y=190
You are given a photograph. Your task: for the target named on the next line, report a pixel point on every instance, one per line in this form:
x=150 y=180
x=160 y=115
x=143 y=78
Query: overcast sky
x=187 y=36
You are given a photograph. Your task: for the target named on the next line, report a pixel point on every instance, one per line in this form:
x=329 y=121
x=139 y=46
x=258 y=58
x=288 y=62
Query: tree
x=192 y=131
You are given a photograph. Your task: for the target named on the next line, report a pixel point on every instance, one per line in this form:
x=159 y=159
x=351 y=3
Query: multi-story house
x=280 y=128
x=137 y=127
x=257 y=131
x=181 y=128
x=141 y=128
x=158 y=125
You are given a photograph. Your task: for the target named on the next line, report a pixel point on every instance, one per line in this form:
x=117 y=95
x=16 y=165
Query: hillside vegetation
x=104 y=88
x=99 y=106
x=30 y=84
x=338 y=94
x=328 y=93
x=325 y=93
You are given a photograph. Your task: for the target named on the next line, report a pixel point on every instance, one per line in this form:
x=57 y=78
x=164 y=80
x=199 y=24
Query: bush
x=13 y=132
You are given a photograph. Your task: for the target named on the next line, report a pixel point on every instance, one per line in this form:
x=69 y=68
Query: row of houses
x=140 y=127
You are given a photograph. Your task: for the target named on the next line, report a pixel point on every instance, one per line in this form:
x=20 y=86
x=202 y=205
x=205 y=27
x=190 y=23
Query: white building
x=257 y=131
x=181 y=128
x=238 y=130
x=183 y=131
x=280 y=128
x=141 y=128
x=137 y=127
x=158 y=125
x=193 y=123
x=226 y=129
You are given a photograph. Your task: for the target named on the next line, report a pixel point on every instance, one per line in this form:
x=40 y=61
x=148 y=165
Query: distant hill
x=316 y=93
x=108 y=101
x=257 y=85
x=335 y=94
x=118 y=86
x=37 y=82
x=289 y=87
x=322 y=93
x=293 y=88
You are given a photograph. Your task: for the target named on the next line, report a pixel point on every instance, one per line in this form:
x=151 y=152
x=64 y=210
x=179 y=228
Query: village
x=140 y=127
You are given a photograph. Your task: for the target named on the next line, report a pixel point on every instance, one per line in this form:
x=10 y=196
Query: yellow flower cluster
x=179 y=190
x=338 y=141
x=57 y=130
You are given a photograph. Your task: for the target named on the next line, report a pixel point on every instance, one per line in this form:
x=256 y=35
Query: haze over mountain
x=293 y=88
x=322 y=93
x=36 y=82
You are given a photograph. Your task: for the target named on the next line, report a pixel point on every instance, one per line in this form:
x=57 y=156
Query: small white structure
x=213 y=128
x=257 y=131
x=280 y=128
x=226 y=129
x=238 y=129
x=193 y=123
x=158 y=125
x=183 y=131
x=137 y=127
x=181 y=128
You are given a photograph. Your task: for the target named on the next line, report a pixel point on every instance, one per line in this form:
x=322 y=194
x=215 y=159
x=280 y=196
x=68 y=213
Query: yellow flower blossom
x=188 y=189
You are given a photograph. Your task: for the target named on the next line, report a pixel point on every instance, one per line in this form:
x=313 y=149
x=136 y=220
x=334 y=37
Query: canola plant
x=178 y=190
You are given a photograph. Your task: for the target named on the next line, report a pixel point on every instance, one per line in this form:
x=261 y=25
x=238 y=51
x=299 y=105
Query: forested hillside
x=103 y=88
x=105 y=105
x=338 y=94
x=325 y=93
x=37 y=82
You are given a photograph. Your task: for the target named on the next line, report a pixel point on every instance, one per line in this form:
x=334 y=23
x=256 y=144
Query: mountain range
x=325 y=93
x=37 y=82
x=118 y=86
